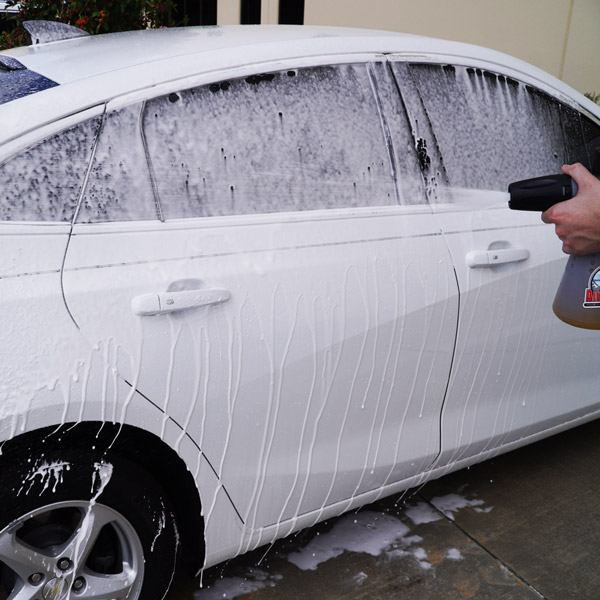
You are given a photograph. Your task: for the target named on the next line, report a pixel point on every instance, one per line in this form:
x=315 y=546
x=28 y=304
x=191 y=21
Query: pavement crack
x=484 y=548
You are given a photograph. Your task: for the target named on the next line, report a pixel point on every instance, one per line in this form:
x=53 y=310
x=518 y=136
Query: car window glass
x=43 y=183
x=574 y=138
x=119 y=186
x=491 y=129
x=425 y=148
x=591 y=138
x=17 y=82
x=407 y=170
x=288 y=141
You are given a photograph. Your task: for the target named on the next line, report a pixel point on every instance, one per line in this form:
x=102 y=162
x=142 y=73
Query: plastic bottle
x=577 y=300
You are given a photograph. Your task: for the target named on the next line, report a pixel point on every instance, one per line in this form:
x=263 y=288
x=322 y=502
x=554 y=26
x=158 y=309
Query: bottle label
x=592 y=292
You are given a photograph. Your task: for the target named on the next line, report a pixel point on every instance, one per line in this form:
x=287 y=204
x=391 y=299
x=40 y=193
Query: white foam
x=452 y=503
x=422 y=513
x=50 y=474
x=232 y=587
x=359 y=578
x=367 y=532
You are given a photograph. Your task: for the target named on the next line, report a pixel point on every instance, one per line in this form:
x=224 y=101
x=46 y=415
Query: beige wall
x=559 y=36
x=228 y=12
x=582 y=56
x=269 y=11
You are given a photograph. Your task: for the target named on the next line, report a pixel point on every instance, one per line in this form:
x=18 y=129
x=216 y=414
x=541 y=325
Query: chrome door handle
x=168 y=302
x=490 y=258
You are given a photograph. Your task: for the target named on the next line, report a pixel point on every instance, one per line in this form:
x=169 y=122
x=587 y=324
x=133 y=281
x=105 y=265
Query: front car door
x=518 y=371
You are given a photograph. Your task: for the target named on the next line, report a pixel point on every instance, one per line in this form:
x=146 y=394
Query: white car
x=254 y=277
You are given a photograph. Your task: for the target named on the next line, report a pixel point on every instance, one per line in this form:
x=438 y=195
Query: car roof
x=95 y=69
x=69 y=60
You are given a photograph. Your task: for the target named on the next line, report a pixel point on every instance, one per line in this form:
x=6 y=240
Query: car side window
x=119 y=186
x=591 y=138
x=294 y=140
x=492 y=129
x=43 y=183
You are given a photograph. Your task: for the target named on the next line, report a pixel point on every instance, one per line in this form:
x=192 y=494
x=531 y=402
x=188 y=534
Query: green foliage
x=93 y=16
x=593 y=96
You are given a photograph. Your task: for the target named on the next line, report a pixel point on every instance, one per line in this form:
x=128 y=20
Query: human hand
x=577 y=221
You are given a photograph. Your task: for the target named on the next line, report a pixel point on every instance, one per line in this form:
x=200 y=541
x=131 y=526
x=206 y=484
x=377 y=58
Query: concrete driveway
x=519 y=527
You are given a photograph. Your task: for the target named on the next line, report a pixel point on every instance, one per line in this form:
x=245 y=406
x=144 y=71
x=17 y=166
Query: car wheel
x=81 y=526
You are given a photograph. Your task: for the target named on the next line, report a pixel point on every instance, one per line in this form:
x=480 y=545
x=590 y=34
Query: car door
x=41 y=175
x=518 y=370
x=262 y=264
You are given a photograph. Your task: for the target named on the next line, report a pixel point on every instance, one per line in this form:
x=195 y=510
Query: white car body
x=353 y=352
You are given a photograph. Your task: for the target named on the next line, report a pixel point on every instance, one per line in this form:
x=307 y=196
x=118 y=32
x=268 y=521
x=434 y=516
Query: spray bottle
x=577 y=300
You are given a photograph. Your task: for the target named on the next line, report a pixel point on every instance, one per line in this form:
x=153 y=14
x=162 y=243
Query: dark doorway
x=250 y=12
x=196 y=12
x=291 y=12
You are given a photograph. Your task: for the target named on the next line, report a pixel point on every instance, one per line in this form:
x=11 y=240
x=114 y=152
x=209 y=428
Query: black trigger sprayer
x=577 y=300
x=540 y=193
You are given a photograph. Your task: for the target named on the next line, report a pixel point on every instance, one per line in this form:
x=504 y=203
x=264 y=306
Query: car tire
x=91 y=523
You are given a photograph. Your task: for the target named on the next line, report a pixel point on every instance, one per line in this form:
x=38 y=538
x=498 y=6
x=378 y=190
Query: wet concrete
x=522 y=526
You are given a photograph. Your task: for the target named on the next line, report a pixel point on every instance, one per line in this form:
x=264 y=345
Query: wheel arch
x=140 y=447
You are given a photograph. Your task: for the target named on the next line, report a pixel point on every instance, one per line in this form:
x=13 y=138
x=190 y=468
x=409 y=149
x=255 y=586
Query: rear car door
x=518 y=370
x=257 y=260
x=41 y=176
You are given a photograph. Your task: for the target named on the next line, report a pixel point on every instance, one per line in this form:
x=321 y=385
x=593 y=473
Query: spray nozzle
x=540 y=193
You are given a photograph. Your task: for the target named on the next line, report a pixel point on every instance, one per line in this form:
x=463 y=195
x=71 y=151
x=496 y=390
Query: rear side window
x=492 y=129
x=288 y=141
x=17 y=82
x=119 y=186
x=44 y=182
